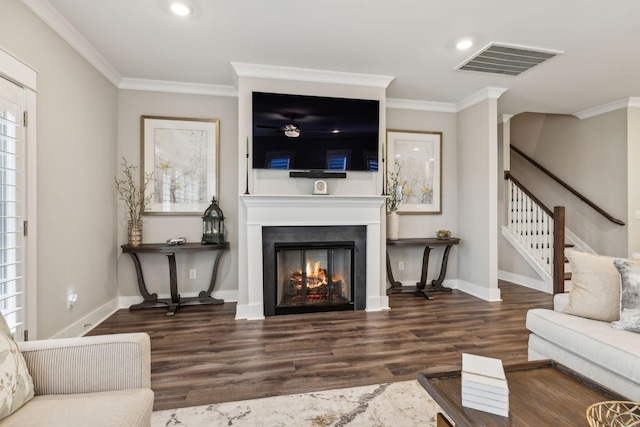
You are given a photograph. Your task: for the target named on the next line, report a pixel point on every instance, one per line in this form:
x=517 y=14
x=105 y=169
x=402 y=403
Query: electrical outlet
x=401 y=265
x=71 y=301
x=192 y=273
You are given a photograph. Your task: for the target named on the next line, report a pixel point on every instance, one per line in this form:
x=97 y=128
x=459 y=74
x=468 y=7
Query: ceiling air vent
x=506 y=59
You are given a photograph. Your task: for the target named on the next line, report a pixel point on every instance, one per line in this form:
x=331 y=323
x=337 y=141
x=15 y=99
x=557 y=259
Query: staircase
x=537 y=232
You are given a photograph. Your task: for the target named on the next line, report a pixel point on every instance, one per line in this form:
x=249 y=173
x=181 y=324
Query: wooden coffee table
x=542 y=393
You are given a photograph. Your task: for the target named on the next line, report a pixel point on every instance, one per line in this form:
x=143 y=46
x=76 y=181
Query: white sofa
x=90 y=381
x=592 y=348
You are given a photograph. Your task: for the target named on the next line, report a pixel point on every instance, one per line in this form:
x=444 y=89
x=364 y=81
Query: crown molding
x=505 y=118
x=50 y=15
x=632 y=102
x=178 y=87
x=310 y=75
x=482 y=95
x=410 y=104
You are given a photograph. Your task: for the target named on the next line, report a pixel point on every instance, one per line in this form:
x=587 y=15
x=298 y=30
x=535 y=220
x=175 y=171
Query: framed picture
x=417 y=157
x=182 y=154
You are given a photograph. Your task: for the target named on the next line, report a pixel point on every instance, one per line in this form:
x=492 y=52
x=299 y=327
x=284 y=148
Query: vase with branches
x=394 y=189
x=394 y=198
x=134 y=198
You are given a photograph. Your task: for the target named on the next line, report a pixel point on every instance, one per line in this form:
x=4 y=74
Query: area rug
x=404 y=404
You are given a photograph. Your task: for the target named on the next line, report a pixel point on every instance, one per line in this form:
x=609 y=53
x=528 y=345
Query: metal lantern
x=213 y=224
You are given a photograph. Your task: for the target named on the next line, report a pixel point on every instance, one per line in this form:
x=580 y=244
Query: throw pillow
x=595 y=292
x=629 y=296
x=16 y=385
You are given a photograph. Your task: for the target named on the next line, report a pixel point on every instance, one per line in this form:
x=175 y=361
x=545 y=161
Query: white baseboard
x=377 y=303
x=478 y=291
x=528 y=282
x=88 y=322
x=249 y=312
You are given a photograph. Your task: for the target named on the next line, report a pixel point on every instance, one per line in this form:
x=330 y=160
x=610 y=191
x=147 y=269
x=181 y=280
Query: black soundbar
x=316 y=174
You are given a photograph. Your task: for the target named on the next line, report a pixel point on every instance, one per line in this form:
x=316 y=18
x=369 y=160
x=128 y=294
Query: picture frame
x=418 y=156
x=183 y=155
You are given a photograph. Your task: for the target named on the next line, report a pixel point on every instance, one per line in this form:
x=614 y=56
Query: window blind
x=11 y=206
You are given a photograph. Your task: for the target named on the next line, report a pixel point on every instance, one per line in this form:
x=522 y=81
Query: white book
x=500 y=403
x=485 y=408
x=485 y=366
x=486 y=384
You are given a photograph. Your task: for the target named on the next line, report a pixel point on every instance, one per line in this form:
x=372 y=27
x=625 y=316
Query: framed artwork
x=182 y=154
x=417 y=157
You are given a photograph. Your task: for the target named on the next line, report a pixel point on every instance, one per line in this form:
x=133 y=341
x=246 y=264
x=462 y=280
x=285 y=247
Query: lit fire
x=316 y=284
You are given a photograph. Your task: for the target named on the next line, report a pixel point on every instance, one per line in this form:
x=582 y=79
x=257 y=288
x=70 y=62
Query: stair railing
x=539 y=229
x=568 y=187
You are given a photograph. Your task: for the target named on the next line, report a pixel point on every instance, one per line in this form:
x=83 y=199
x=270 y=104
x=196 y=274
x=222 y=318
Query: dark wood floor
x=202 y=355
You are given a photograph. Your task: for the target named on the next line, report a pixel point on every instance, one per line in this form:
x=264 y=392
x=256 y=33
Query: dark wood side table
x=421 y=287
x=152 y=300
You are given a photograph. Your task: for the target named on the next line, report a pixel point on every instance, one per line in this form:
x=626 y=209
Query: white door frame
x=25 y=76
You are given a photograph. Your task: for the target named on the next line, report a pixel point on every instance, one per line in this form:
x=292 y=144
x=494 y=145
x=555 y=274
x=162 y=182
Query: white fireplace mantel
x=306 y=210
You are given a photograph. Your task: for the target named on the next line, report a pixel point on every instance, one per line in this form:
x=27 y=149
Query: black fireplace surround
x=343 y=251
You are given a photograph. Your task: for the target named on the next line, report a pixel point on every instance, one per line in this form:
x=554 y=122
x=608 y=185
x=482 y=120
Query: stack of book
x=484 y=385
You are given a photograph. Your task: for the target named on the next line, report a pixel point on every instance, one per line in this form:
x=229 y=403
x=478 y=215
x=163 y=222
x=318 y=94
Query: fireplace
x=314 y=268
x=266 y=213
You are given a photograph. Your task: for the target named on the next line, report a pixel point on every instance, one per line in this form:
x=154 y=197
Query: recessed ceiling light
x=180 y=9
x=464 y=44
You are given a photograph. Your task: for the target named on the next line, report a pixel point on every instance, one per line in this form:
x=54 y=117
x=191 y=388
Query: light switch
x=637 y=214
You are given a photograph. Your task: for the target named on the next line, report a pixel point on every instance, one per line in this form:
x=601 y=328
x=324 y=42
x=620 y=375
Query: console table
x=152 y=300
x=421 y=287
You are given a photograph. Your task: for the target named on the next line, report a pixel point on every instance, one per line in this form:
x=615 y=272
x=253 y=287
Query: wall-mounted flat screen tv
x=309 y=133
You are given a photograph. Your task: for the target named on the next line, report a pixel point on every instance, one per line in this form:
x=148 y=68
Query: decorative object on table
x=183 y=155
x=213 y=224
x=135 y=199
x=443 y=234
x=177 y=241
x=320 y=187
x=419 y=155
x=394 y=199
x=614 y=413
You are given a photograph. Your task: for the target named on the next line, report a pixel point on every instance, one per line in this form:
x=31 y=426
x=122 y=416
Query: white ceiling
x=411 y=40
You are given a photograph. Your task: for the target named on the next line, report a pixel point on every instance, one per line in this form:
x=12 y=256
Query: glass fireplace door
x=314 y=277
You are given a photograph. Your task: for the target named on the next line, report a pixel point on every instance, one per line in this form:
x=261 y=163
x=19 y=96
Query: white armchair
x=90 y=381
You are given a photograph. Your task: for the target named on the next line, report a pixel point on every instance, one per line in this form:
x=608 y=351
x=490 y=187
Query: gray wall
x=76 y=127
x=633 y=179
x=428 y=225
x=477 y=199
x=133 y=104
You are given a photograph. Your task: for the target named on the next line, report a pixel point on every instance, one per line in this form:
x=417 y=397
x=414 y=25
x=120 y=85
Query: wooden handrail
x=568 y=187
x=507 y=175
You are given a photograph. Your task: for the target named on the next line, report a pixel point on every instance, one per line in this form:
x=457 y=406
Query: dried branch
x=394 y=190
x=133 y=196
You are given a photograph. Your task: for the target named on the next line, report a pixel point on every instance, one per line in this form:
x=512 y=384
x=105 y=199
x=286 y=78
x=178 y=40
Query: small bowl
x=443 y=234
